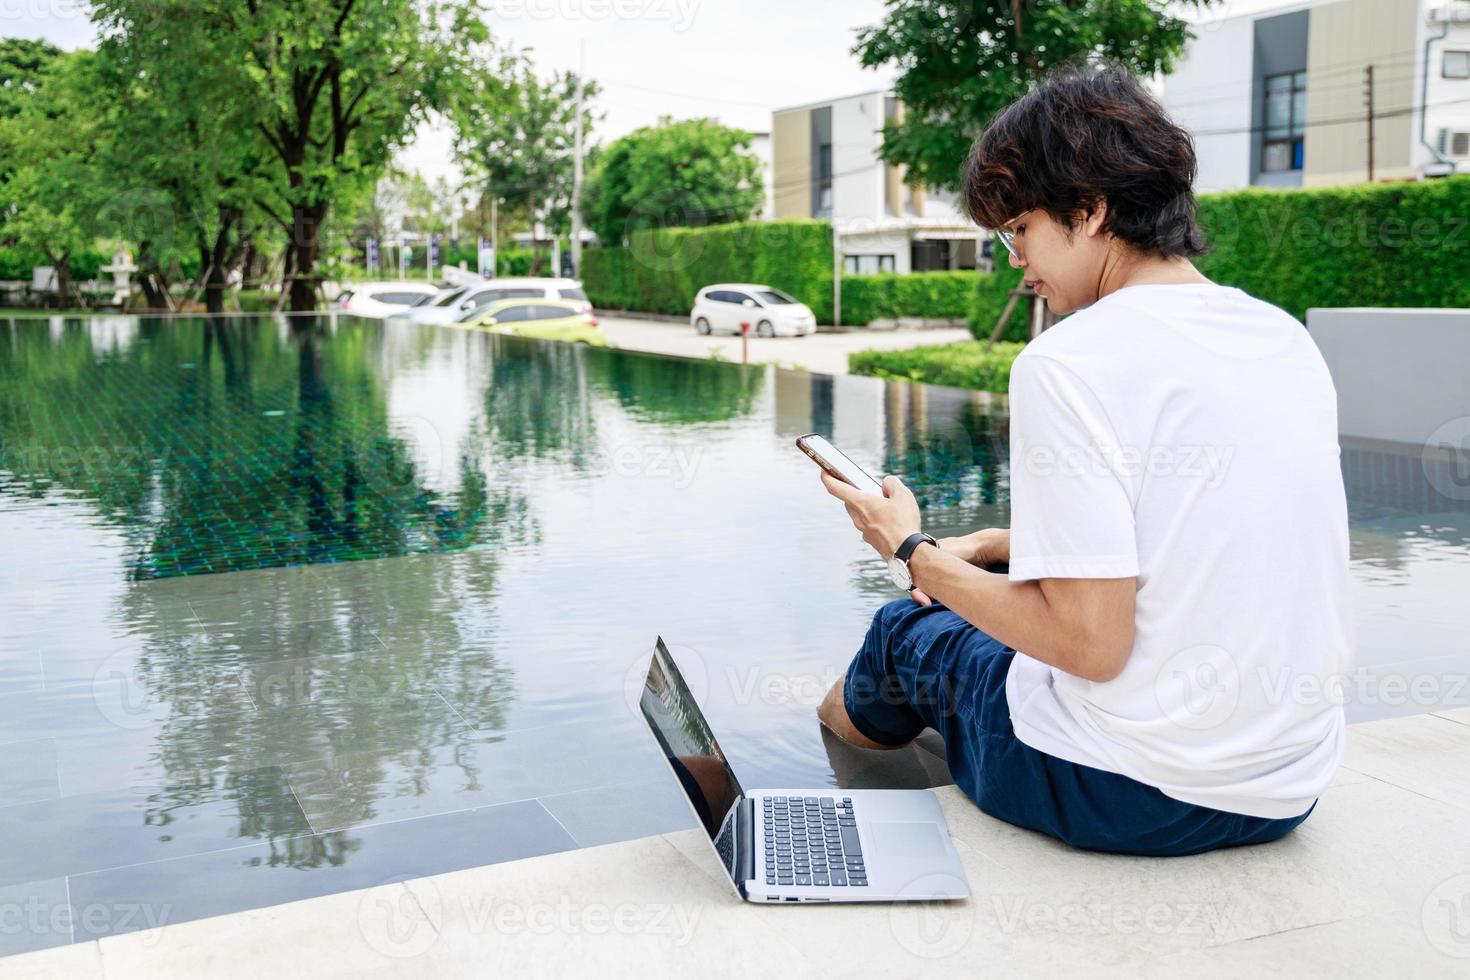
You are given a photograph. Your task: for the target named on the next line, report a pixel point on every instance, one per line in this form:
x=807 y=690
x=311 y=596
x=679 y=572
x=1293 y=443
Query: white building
x=825 y=165
x=1276 y=95
x=760 y=148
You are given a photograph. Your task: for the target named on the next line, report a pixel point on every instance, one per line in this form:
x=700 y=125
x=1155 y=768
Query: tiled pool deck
x=1375 y=883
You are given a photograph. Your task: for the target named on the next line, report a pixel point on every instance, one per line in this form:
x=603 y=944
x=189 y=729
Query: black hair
x=1083 y=136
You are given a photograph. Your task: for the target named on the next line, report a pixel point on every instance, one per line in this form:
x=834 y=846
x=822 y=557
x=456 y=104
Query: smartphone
x=837 y=463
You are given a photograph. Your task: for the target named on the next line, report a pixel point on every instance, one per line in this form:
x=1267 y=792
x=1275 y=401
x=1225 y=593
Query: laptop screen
x=681 y=731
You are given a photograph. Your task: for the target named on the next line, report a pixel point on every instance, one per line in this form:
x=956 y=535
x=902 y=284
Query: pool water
x=292 y=606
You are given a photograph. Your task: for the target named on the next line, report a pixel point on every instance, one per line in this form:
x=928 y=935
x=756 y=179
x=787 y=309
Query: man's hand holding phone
x=887 y=514
x=884 y=521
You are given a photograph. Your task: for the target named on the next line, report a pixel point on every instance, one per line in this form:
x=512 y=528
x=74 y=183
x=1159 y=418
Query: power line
x=1317 y=79
x=1403 y=59
x=1404 y=73
x=1353 y=83
x=1386 y=114
x=684 y=95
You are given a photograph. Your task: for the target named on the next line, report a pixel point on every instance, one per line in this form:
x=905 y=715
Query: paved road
x=825 y=353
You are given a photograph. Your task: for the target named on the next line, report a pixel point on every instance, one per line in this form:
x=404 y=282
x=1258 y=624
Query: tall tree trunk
x=218 y=260
x=150 y=275
x=304 y=250
x=249 y=261
x=63 y=281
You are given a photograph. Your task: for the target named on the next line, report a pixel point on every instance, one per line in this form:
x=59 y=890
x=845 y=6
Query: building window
x=929 y=256
x=824 y=181
x=1286 y=117
x=1456 y=64
x=866 y=265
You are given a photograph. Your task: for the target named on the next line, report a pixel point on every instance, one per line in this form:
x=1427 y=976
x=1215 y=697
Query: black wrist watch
x=898 y=565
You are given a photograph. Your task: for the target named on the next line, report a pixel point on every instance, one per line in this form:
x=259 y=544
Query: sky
x=735 y=60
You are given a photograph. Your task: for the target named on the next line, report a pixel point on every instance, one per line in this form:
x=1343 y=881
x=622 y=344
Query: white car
x=472 y=300
x=439 y=308
x=770 y=312
x=379 y=299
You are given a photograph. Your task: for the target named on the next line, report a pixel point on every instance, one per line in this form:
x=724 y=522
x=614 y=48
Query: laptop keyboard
x=812 y=840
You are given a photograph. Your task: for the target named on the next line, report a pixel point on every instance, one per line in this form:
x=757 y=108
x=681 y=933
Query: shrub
x=963 y=365
x=661 y=269
x=989 y=299
x=888 y=294
x=1395 y=245
x=17 y=262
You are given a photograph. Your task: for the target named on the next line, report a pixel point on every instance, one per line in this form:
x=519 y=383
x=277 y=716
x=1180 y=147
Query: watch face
x=899 y=572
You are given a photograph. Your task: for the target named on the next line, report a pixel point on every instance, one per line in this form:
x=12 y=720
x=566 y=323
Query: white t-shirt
x=1187 y=435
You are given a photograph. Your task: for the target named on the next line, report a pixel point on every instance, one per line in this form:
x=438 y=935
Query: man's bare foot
x=833 y=713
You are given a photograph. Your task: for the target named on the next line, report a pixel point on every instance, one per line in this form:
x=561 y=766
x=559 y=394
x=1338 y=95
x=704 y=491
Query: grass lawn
x=962 y=365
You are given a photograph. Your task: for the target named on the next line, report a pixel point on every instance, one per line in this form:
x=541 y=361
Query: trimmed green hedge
x=991 y=294
x=1393 y=245
x=1396 y=245
x=964 y=365
x=888 y=294
x=661 y=269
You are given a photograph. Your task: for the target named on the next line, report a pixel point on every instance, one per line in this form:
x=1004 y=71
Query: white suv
x=769 y=311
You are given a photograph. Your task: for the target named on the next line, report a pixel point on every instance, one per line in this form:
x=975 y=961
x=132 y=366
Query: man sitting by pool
x=1153 y=673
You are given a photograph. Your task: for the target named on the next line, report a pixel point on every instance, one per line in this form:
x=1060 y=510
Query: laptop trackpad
x=907 y=839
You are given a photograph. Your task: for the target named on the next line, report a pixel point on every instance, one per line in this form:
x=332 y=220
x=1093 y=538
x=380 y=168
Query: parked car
x=481 y=294
x=770 y=312
x=442 y=307
x=379 y=299
x=548 y=319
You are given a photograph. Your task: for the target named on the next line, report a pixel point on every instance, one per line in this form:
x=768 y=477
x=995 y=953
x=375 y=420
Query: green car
x=546 y=319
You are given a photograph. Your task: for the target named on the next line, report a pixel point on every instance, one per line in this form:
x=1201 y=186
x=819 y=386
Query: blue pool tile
x=498 y=707
x=28 y=771
x=75 y=834
x=34 y=915
x=371 y=717
x=625 y=811
x=125 y=694
x=288 y=870
x=20 y=669
x=470 y=770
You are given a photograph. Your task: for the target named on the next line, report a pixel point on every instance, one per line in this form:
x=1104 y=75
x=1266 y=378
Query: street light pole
x=1369 y=94
x=577 y=169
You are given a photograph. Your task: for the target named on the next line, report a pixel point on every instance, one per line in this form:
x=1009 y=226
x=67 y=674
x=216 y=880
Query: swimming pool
x=295 y=607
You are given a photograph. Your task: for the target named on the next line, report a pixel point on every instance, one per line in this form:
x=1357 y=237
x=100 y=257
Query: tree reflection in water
x=229 y=444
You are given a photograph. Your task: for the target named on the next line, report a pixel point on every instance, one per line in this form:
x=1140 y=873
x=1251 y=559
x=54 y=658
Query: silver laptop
x=800 y=845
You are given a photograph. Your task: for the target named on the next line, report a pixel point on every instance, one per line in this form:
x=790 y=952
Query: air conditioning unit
x=1455 y=12
x=1454 y=143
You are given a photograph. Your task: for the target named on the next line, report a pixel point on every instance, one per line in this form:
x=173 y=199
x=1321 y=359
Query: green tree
x=22 y=63
x=515 y=139
x=49 y=199
x=962 y=61
x=429 y=207
x=186 y=164
x=693 y=172
x=332 y=87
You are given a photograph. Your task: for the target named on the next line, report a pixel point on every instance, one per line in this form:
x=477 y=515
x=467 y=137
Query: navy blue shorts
x=924 y=666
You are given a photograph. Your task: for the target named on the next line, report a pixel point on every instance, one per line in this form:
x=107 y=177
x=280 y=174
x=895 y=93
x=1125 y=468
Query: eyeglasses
x=1008 y=238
